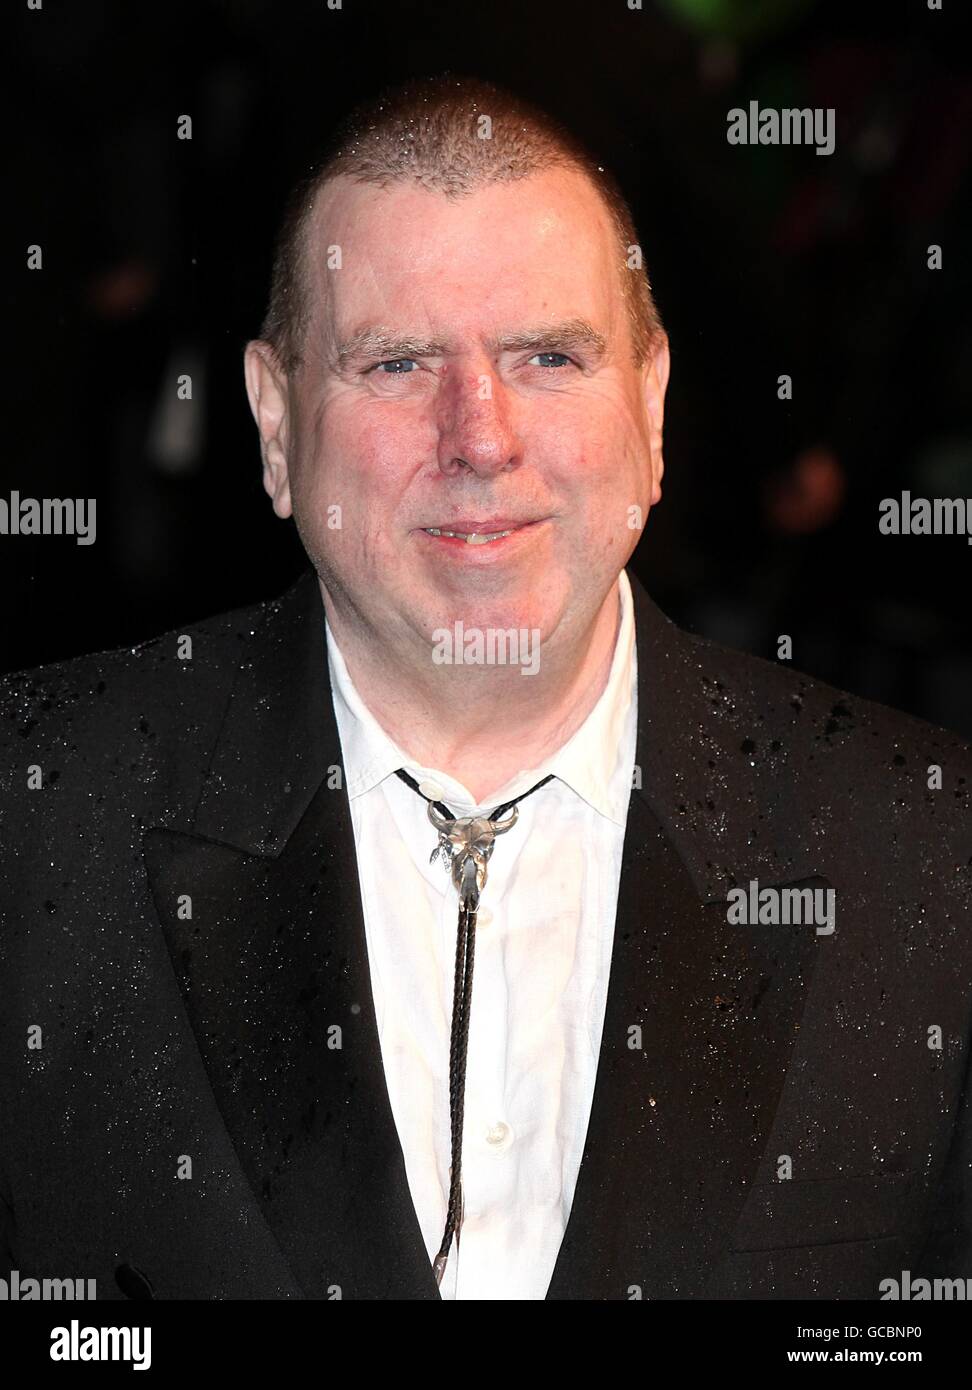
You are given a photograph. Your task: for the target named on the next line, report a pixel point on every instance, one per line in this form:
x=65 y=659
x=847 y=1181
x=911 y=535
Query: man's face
x=467 y=368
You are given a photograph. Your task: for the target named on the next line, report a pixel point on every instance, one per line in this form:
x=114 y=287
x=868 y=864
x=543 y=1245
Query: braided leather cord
x=459 y=1036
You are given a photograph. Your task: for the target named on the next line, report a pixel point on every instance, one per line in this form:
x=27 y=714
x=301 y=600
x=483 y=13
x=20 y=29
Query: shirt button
x=432 y=790
x=499 y=1136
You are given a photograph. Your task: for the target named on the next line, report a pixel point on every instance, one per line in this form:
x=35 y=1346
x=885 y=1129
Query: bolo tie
x=465 y=845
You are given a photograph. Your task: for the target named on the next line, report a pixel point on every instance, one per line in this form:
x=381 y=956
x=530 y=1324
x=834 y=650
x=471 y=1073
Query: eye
x=545 y=359
x=398 y=366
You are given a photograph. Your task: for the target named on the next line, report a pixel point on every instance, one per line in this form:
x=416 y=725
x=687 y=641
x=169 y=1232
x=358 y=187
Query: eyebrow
x=376 y=343
x=572 y=333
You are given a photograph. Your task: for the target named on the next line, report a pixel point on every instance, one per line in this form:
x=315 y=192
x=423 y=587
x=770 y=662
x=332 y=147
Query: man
x=689 y=1018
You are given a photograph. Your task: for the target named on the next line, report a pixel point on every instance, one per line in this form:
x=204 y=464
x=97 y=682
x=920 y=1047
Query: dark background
x=765 y=260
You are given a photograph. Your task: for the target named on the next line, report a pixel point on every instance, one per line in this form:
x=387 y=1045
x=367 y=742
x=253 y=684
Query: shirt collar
x=595 y=762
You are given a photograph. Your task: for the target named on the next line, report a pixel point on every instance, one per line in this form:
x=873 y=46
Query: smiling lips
x=477 y=532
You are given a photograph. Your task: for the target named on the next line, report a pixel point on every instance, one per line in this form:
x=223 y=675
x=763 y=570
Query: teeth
x=482 y=540
x=473 y=538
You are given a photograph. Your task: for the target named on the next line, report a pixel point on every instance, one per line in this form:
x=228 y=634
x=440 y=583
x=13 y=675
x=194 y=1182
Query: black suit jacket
x=211 y=786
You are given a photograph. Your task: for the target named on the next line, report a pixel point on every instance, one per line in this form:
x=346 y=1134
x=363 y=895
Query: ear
x=267 y=389
x=654 y=385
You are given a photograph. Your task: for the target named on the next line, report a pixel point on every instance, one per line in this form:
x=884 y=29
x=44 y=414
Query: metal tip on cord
x=438 y=1267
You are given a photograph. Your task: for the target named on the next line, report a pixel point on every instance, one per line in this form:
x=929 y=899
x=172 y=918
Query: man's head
x=458 y=339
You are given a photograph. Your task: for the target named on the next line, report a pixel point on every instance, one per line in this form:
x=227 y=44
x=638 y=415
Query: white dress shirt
x=544 y=937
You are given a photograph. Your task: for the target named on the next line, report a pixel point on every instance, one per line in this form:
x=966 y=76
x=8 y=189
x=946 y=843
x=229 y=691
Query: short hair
x=428 y=132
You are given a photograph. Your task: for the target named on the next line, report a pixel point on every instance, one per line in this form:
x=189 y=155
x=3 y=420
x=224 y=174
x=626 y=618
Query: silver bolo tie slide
x=465 y=846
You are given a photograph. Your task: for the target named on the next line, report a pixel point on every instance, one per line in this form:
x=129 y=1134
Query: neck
x=481 y=724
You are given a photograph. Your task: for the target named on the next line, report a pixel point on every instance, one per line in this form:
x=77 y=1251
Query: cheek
x=364 y=461
x=359 y=459
x=599 y=457
x=596 y=452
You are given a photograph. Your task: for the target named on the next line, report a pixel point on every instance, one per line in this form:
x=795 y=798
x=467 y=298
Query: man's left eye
x=397 y=366
x=550 y=359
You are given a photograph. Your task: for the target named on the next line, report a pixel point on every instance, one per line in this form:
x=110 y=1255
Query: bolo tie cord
x=459 y=1039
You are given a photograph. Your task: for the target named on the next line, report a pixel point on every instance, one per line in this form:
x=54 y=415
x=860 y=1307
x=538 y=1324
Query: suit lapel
x=701 y=1016
x=700 y=1021
x=274 y=973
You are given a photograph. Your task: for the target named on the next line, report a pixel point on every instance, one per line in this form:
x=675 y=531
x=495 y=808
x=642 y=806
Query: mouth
x=479 y=532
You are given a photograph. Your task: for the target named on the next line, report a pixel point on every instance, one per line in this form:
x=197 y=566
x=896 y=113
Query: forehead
x=410 y=258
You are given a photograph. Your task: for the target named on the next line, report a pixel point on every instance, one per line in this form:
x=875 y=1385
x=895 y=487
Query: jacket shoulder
x=127 y=714
x=785 y=696
x=858 y=763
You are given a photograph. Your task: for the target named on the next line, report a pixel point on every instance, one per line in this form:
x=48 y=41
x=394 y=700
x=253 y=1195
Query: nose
x=476 y=431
